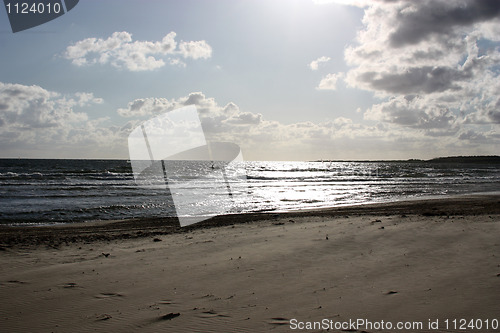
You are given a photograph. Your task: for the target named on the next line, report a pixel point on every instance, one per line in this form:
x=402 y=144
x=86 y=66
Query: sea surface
x=34 y=192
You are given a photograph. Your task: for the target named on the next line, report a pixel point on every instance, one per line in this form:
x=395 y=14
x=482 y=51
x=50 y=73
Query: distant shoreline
x=486 y=159
x=493 y=159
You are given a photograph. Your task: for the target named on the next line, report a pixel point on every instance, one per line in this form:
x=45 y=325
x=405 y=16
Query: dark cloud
x=471 y=136
x=489 y=114
x=494 y=116
x=416 y=80
x=421 y=19
x=413 y=112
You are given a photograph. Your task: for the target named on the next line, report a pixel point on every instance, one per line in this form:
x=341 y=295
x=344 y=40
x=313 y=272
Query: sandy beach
x=427 y=261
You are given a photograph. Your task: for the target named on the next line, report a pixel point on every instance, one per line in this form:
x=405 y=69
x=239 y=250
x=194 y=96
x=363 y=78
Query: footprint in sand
x=165 y=302
x=169 y=316
x=108 y=295
x=212 y=314
x=279 y=321
x=16 y=282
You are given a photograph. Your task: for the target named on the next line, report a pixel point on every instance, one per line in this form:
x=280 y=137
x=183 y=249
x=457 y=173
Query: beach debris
x=326 y=237
x=391 y=292
x=381 y=228
x=375 y=221
x=70 y=285
x=157 y=240
x=170 y=316
x=106 y=254
x=16 y=281
x=103 y=316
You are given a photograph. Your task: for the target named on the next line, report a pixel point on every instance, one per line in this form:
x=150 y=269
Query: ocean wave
x=41 y=191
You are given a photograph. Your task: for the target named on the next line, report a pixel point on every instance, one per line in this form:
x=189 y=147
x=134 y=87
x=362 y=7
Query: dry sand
x=407 y=261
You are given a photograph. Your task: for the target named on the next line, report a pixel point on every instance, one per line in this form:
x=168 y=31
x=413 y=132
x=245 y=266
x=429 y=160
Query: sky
x=283 y=79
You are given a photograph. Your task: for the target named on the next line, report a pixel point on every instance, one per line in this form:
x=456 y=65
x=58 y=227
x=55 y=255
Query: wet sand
x=407 y=261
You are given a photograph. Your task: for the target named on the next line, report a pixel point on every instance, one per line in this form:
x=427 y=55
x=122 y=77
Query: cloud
x=485 y=113
x=122 y=52
x=401 y=126
x=153 y=106
x=416 y=22
x=314 y=65
x=36 y=122
x=400 y=52
x=177 y=62
x=471 y=135
x=435 y=67
x=412 y=112
x=32 y=107
x=329 y=82
x=195 y=50
x=145 y=107
x=425 y=79
x=245 y=118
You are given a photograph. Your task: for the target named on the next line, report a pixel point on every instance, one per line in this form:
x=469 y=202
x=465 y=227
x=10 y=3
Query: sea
x=53 y=191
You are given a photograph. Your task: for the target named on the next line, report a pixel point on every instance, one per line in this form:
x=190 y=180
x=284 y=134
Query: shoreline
x=416 y=261
x=106 y=230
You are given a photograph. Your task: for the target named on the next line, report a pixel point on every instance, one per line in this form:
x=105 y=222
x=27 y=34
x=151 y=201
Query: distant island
x=491 y=159
x=466 y=159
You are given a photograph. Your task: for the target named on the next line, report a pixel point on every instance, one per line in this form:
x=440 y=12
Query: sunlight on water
x=49 y=191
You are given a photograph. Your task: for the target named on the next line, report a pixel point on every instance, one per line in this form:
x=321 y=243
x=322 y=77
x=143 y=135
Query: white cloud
x=35 y=122
x=329 y=82
x=195 y=50
x=177 y=62
x=32 y=107
x=146 y=107
x=122 y=52
x=392 y=136
x=152 y=106
x=314 y=65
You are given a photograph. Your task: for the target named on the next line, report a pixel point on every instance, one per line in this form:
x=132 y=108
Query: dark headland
x=487 y=159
